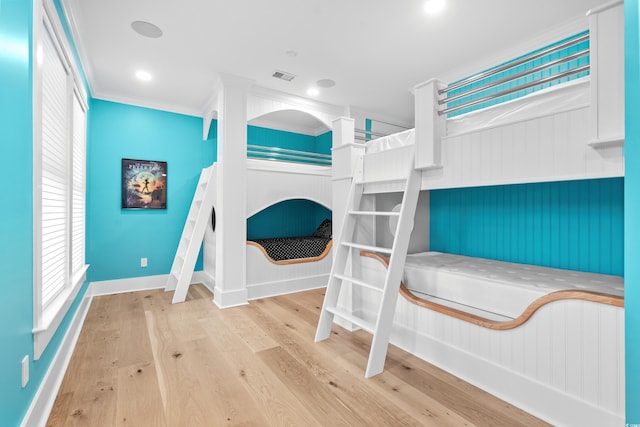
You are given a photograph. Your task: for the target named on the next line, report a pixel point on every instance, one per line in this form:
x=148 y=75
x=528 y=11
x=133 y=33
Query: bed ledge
x=291 y=261
x=495 y=324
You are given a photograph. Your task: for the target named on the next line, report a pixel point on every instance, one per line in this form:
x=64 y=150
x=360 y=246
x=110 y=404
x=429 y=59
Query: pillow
x=323 y=230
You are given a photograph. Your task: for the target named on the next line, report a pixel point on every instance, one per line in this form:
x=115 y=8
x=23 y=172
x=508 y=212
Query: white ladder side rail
x=381 y=330
x=192 y=235
x=391 y=288
x=341 y=256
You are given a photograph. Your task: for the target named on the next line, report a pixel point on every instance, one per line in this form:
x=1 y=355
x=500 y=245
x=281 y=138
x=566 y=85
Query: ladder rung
x=358 y=282
x=367 y=326
x=382 y=180
x=374 y=213
x=367 y=247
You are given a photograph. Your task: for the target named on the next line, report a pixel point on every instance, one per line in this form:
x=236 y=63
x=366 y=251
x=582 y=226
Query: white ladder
x=381 y=329
x=192 y=235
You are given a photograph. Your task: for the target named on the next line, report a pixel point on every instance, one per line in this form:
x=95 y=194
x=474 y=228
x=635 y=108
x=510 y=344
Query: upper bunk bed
x=553 y=114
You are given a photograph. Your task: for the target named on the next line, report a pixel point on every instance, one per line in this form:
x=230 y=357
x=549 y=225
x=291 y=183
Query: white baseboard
x=45 y=397
x=228 y=299
x=272 y=289
x=134 y=284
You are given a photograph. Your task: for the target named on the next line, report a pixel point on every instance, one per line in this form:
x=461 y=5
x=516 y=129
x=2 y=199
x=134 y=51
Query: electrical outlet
x=143 y=262
x=25 y=371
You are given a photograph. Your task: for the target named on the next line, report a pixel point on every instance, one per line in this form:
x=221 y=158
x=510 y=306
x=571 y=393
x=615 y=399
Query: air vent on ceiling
x=283 y=75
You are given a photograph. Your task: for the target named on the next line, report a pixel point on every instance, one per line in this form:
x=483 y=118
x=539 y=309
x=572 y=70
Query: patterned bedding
x=286 y=248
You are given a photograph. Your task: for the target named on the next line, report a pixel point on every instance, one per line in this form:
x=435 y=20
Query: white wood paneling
x=271 y=182
x=566 y=365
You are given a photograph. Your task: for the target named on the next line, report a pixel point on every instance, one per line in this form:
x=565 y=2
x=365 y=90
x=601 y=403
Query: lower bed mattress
x=288 y=248
x=503 y=288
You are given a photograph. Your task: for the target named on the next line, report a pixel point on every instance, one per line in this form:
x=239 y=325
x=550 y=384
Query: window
x=59 y=178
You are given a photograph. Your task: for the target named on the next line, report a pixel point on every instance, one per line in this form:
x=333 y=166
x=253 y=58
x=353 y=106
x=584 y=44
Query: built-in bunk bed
x=546 y=339
x=276 y=264
x=280 y=171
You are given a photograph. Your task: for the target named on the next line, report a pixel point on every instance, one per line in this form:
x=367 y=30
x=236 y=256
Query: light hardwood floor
x=141 y=361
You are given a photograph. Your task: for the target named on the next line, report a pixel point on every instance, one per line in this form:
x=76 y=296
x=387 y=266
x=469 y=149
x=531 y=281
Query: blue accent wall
x=290 y=218
x=118 y=238
x=575 y=225
x=632 y=210
x=16 y=226
x=324 y=143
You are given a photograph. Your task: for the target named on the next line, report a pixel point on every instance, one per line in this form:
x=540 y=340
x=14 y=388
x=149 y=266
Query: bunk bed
x=549 y=341
x=275 y=175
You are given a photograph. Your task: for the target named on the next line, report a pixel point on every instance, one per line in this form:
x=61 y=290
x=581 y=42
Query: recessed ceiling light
x=146 y=29
x=326 y=83
x=143 y=75
x=312 y=91
x=433 y=6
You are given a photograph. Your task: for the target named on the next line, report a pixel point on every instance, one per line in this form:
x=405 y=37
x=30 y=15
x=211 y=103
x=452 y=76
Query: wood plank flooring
x=141 y=361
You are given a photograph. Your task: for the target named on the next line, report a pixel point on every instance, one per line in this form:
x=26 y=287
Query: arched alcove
x=288 y=218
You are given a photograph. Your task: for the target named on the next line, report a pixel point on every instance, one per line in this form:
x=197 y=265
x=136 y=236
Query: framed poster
x=144 y=184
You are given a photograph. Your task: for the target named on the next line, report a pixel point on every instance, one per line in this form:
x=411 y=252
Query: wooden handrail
x=495 y=324
x=292 y=261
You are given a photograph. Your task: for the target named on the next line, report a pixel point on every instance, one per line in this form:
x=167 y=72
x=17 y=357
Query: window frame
x=47 y=318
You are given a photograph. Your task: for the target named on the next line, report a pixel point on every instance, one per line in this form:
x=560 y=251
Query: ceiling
x=374 y=50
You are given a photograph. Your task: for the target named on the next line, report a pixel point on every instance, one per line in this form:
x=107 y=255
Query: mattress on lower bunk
x=390 y=142
x=287 y=248
x=499 y=287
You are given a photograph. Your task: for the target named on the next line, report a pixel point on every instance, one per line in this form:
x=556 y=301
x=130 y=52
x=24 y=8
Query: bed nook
x=288 y=258
x=528 y=305
x=287 y=204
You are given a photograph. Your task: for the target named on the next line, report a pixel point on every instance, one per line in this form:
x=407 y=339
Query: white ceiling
x=375 y=50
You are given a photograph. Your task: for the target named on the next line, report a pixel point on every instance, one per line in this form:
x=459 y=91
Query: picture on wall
x=144 y=184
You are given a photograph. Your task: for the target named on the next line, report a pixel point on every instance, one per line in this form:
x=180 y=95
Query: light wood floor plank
x=143 y=361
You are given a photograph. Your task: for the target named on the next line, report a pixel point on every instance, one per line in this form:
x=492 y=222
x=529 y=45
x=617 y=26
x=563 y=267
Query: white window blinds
x=55 y=167
x=59 y=171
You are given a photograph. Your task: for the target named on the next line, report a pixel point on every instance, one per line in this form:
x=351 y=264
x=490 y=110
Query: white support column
x=606 y=43
x=430 y=126
x=231 y=229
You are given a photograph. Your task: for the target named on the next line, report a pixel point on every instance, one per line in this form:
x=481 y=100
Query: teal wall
x=16 y=226
x=575 y=225
x=632 y=210
x=16 y=244
x=117 y=238
x=290 y=218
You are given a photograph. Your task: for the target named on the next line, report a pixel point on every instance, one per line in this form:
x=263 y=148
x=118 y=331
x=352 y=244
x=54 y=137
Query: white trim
x=604 y=7
x=232 y=298
x=72 y=21
x=144 y=283
x=52 y=316
x=283 y=287
x=43 y=401
x=52 y=13
x=132 y=101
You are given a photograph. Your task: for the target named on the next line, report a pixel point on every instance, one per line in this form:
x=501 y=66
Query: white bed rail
x=571 y=130
x=286 y=155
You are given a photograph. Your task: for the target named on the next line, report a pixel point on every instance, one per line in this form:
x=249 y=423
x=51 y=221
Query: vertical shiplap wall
x=289 y=218
x=575 y=225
